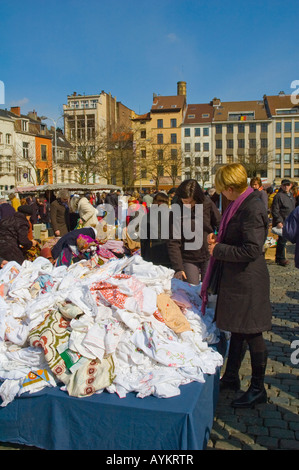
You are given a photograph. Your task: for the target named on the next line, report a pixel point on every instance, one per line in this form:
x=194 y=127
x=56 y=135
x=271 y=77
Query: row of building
x=104 y=141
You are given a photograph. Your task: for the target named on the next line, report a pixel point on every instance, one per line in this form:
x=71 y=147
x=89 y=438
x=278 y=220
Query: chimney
x=216 y=102
x=16 y=110
x=182 y=89
x=32 y=115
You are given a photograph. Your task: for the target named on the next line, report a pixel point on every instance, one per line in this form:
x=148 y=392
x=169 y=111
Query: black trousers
x=281 y=249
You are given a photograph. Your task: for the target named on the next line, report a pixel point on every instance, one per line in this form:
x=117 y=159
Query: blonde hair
x=232 y=175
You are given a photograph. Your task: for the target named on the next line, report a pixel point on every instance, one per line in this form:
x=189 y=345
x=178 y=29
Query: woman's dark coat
x=70 y=238
x=243 y=302
x=14 y=232
x=176 y=247
x=154 y=249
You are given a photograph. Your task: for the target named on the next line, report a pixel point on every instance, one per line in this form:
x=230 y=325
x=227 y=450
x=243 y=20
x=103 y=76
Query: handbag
x=215 y=277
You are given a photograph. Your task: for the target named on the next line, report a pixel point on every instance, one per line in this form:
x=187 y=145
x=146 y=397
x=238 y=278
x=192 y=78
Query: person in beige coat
x=86 y=211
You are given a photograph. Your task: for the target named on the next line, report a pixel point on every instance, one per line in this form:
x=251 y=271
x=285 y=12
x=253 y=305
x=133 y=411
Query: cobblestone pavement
x=274 y=425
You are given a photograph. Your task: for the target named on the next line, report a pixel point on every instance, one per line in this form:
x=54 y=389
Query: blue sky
x=235 y=50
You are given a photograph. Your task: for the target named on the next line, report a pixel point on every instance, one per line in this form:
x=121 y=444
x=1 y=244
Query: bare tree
x=256 y=160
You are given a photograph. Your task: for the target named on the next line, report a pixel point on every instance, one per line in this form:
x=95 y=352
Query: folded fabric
x=172 y=314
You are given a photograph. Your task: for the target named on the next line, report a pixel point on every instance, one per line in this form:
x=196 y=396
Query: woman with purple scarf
x=242 y=283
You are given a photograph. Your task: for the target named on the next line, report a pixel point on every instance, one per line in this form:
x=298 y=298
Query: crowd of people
x=230 y=262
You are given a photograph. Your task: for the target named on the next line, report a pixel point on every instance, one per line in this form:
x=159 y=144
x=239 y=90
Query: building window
x=230 y=144
x=252 y=127
x=143 y=134
x=43 y=149
x=197 y=132
x=277 y=158
x=218 y=159
x=264 y=127
x=297 y=126
x=264 y=143
x=46 y=176
x=172 y=122
x=187 y=132
x=173 y=138
x=206 y=147
x=218 y=144
x=241 y=128
x=287 y=142
x=278 y=173
x=288 y=126
x=24 y=126
x=278 y=127
x=26 y=150
x=278 y=142
x=206 y=131
x=252 y=143
x=143 y=173
x=174 y=154
x=197 y=161
x=187 y=161
x=230 y=128
x=241 y=143
x=160 y=154
x=206 y=161
x=296 y=142
x=218 y=128
x=287 y=172
x=174 y=170
x=296 y=172
x=187 y=147
x=287 y=158
x=230 y=159
x=160 y=123
x=160 y=170
x=197 y=147
x=188 y=175
x=143 y=153
x=296 y=157
x=8 y=139
x=160 y=138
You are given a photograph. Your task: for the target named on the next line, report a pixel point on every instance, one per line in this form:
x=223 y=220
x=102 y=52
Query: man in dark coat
x=283 y=204
x=14 y=239
x=60 y=214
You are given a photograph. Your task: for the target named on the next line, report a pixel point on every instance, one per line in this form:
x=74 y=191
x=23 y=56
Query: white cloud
x=21 y=102
x=172 y=37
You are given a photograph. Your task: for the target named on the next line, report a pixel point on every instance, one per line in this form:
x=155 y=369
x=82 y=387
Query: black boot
x=256 y=392
x=237 y=350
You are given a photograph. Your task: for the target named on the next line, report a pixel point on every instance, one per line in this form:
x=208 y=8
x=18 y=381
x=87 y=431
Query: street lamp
x=45 y=118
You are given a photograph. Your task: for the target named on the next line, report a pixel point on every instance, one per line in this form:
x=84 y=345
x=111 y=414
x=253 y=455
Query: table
x=53 y=420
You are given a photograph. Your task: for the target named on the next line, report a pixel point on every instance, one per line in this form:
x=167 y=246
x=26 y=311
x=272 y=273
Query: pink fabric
x=228 y=214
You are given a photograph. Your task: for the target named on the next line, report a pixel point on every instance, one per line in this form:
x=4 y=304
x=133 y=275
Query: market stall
x=115 y=356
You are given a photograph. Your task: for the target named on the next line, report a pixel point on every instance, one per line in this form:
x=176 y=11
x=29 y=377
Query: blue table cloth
x=53 y=420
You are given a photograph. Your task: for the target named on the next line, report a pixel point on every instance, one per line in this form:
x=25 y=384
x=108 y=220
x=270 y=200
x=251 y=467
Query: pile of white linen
x=112 y=313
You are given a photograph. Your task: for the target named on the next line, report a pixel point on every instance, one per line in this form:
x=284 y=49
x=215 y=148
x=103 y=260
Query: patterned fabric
x=81 y=376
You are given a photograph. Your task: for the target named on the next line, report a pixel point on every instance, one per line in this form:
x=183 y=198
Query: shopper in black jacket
x=190 y=264
x=14 y=241
x=283 y=204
